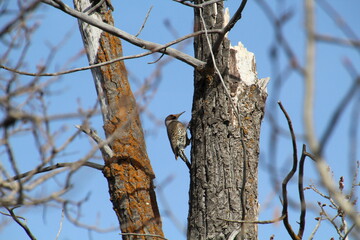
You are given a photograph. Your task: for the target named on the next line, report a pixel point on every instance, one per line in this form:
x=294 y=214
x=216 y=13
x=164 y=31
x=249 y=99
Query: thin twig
x=289 y=176
x=161 y=56
x=316 y=228
x=13 y=164
x=331 y=220
x=301 y=193
x=339 y=21
x=255 y=222
x=145 y=20
x=21 y=224
x=94 y=8
x=56 y=166
x=124 y=35
x=294 y=62
x=161 y=48
x=77 y=223
x=312 y=156
x=348 y=232
x=337 y=40
x=167 y=206
x=337 y=114
x=321 y=164
x=226 y=29
x=105 y=148
x=21 y=16
x=61 y=224
x=201 y=5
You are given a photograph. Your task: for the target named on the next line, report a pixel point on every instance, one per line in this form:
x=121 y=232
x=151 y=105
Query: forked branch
x=196 y=63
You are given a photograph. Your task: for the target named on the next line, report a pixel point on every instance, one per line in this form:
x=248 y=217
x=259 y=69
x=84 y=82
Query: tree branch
x=288 y=177
x=309 y=92
x=52 y=167
x=226 y=29
x=157 y=49
x=301 y=193
x=196 y=63
x=23 y=225
x=255 y=222
x=24 y=11
x=145 y=20
x=105 y=149
x=337 y=40
x=337 y=114
x=201 y=5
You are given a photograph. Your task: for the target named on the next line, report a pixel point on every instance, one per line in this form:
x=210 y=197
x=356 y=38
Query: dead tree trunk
x=224 y=151
x=129 y=173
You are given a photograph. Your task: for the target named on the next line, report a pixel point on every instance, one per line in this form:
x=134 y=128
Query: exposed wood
x=129 y=173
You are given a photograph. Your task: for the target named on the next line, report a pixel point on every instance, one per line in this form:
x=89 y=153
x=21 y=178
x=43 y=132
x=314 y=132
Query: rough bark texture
x=224 y=174
x=129 y=173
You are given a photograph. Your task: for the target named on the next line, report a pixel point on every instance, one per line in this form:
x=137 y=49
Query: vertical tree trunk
x=129 y=173
x=224 y=152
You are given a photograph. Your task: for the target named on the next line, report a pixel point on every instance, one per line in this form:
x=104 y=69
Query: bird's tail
x=184 y=158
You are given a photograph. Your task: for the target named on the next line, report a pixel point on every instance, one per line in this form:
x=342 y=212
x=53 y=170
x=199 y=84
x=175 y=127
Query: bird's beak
x=178 y=115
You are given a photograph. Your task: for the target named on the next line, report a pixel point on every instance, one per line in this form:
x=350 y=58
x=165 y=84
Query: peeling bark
x=129 y=173
x=225 y=152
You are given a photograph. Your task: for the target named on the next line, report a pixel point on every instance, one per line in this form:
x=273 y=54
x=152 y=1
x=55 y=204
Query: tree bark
x=224 y=152
x=129 y=173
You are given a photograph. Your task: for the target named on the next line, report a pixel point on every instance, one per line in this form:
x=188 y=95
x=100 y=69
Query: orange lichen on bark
x=129 y=173
x=130 y=188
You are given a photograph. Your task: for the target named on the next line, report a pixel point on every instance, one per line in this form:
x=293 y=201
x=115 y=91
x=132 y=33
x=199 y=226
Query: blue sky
x=174 y=95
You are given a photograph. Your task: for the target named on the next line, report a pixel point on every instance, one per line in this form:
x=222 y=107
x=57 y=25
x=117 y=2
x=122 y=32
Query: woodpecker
x=177 y=136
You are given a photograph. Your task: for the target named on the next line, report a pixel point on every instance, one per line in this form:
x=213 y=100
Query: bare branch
x=126 y=36
x=201 y=5
x=288 y=177
x=316 y=228
x=226 y=29
x=308 y=108
x=75 y=221
x=143 y=25
x=24 y=11
x=293 y=60
x=104 y=148
x=337 y=114
x=167 y=206
x=53 y=167
x=301 y=193
x=14 y=166
x=157 y=49
x=21 y=224
x=95 y=7
x=255 y=222
x=61 y=224
x=339 y=21
x=348 y=232
x=337 y=40
x=330 y=219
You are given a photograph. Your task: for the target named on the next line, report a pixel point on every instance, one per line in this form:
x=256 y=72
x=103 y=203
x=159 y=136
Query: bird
x=177 y=136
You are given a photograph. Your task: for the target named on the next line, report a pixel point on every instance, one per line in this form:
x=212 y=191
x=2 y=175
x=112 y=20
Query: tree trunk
x=224 y=152
x=129 y=173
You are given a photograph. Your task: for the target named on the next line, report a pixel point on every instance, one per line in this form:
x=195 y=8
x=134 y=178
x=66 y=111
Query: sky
x=174 y=95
